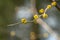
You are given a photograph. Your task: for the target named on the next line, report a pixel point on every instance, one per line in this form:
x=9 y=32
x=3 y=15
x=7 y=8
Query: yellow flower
x=48 y=6
x=44 y=15
x=36 y=16
x=32 y=36
x=41 y=11
x=45 y=35
x=54 y=3
x=12 y=33
x=24 y=21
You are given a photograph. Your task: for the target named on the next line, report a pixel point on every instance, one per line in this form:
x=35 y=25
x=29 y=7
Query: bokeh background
x=11 y=11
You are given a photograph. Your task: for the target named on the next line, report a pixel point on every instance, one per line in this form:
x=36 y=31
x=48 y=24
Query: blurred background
x=12 y=11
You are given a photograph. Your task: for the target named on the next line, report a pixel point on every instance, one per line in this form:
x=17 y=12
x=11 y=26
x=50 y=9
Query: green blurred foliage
x=6 y=16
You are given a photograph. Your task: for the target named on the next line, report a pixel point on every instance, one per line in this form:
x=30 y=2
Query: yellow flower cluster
x=42 y=11
x=36 y=16
x=44 y=15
